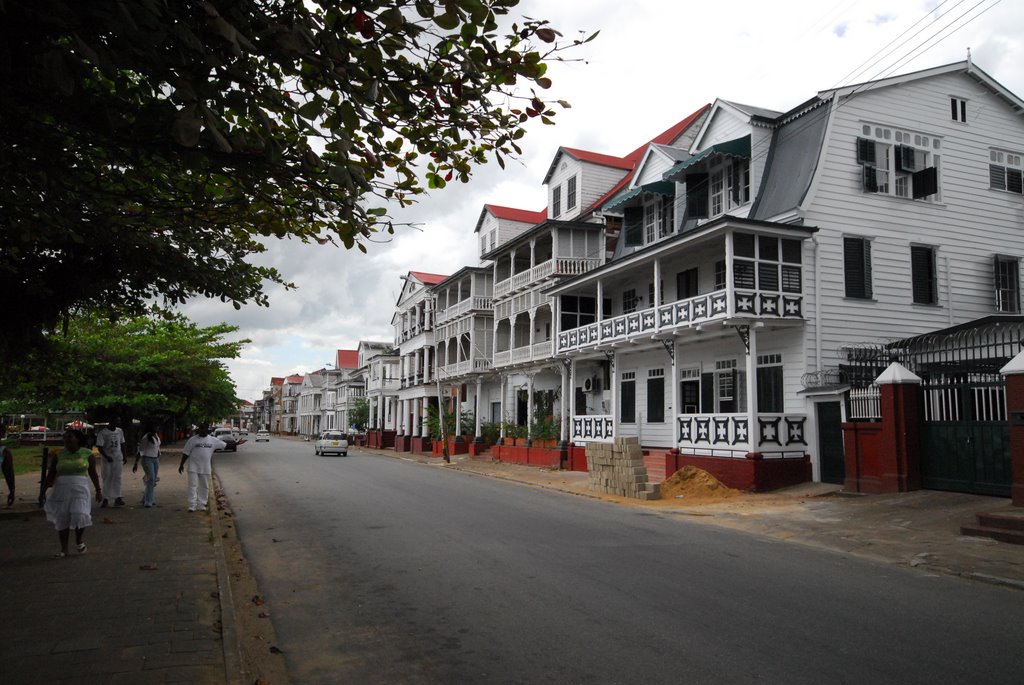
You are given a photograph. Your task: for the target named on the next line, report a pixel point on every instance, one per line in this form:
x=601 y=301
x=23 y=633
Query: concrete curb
x=233 y=664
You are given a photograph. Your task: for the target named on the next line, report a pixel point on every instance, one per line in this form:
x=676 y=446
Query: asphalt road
x=382 y=570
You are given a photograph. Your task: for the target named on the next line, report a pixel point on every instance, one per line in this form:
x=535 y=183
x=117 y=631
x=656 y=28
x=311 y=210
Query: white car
x=331 y=442
x=262 y=436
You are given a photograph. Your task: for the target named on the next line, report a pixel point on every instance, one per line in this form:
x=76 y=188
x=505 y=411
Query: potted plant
x=545 y=432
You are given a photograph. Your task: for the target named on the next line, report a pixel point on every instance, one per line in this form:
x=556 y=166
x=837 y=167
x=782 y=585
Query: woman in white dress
x=69 y=504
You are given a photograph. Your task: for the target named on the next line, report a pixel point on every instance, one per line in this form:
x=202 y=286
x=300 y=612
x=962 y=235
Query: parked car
x=229 y=436
x=331 y=442
x=262 y=436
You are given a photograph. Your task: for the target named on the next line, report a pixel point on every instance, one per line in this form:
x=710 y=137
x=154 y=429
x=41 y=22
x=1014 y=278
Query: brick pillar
x=1014 y=375
x=900 y=444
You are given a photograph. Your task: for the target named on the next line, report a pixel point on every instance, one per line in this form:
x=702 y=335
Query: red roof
x=427 y=279
x=663 y=138
x=513 y=214
x=295 y=378
x=346 y=359
x=598 y=158
x=277 y=380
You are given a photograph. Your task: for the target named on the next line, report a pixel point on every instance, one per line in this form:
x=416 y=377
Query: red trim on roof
x=513 y=214
x=598 y=158
x=428 y=279
x=277 y=380
x=294 y=379
x=346 y=359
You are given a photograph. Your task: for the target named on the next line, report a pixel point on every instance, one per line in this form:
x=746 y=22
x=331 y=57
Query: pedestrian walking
x=7 y=466
x=149 y=453
x=198 y=452
x=110 y=443
x=69 y=504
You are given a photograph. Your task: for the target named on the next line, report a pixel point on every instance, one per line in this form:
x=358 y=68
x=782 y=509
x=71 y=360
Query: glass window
x=570 y=193
x=922 y=274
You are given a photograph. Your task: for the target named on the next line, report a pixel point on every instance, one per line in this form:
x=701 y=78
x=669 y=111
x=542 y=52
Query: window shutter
x=926 y=182
x=734 y=183
x=707 y=393
x=996 y=284
x=1015 y=180
x=857 y=263
x=866 y=151
x=697 y=196
x=922 y=274
x=869 y=179
x=997 y=177
x=906 y=158
x=633 y=226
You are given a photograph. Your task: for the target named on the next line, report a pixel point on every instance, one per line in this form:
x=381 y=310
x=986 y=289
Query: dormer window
x=570 y=194
x=721 y=189
x=905 y=168
x=556 y=201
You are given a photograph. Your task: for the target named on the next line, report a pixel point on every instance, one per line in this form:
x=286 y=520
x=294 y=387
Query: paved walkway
x=919 y=529
x=141 y=606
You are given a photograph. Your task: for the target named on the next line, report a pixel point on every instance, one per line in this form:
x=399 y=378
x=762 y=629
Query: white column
x=674 y=411
x=613 y=404
x=657 y=293
x=600 y=308
x=529 y=405
x=501 y=431
x=752 y=389
x=568 y=400
x=403 y=423
x=477 y=436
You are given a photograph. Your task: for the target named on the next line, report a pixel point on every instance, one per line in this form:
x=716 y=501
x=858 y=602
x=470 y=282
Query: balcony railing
x=682 y=314
x=730 y=435
x=460 y=308
x=559 y=266
x=592 y=428
x=527 y=353
x=464 y=368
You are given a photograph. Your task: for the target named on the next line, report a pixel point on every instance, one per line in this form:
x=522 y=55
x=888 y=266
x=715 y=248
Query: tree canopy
x=148 y=148
x=142 y=367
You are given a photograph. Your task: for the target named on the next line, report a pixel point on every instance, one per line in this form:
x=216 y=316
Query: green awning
x=659 y=187
x=733 y=148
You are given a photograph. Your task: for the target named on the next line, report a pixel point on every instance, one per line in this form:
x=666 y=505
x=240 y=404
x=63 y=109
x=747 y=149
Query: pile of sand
x=694 y=483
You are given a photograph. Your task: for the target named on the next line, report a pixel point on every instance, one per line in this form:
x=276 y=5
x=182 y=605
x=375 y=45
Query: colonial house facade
x=751 y=263
x=344 y=385
x=311 y=396
x=379 y=371
x=414 y=323
x=290 y=390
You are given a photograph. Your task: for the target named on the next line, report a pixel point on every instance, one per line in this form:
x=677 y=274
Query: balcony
x=592 y=428
x=728 y=435
x=682 y=314
x=520 y=303
x=460 y=308
x=464 y=368
x=560 y=266
x=541 y=351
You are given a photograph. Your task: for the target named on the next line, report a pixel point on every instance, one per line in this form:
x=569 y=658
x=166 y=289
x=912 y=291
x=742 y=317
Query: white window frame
x=895 y=182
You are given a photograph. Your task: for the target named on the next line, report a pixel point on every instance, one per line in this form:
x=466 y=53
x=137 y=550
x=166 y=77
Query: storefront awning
x=658 y=187
x=733 y=148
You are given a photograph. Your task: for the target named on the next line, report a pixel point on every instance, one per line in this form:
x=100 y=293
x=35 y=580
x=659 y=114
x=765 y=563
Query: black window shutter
x=866 y=151
x=655 y=400
x=1014 y=181
x=922 y=274
x=707 y=393
x=697 y=196
x=627 y=395
x=857 y=263
x=633 y=226
x=869 y=179
x=905 y=158
x=734 y=182
x=997 y=177
x=926 y=182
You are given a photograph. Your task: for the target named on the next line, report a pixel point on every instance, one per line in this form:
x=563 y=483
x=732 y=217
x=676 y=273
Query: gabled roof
x=277 y=380
x=966 y=66
x=753 y=111
x=427 y=278
x=346 y=359
x=294 y=378
x=525 y=216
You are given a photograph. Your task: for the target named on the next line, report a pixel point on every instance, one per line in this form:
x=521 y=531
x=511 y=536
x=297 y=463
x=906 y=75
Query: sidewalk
x=920 y=529
x=141 y=606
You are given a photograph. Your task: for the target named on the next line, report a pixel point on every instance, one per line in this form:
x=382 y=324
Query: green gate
x=965 y=437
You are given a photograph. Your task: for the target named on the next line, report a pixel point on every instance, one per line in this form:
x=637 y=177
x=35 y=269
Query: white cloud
x=654 y=63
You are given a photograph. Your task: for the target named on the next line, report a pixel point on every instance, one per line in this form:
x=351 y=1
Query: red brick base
x=751 y=475
x=420 y=445
x=528 y=456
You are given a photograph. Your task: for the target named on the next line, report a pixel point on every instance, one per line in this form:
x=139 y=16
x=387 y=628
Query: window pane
x=769 y=389
x=743 y=273
x=655 y=400
x=768 y=248
x=768 y=276
x=792 y=251
x=627 y=402
x=922 y=267
x=743 y=245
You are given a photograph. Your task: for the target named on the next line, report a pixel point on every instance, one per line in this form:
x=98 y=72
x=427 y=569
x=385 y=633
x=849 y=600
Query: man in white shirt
x=198 y=452
x=110 y=443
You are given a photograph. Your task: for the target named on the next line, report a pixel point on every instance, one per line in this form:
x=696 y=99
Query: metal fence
x=865 y=404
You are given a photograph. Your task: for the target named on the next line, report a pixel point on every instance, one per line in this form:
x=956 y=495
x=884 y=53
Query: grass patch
x=27 y=459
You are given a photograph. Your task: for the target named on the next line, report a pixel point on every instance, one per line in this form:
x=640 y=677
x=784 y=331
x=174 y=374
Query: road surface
x=383 y=570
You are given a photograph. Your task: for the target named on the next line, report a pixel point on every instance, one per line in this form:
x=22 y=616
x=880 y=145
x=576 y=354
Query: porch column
x=657 y=293
x=424 y=409
x=729 y=284
x=529 y=409
x=477 y=435
x=501 y=426
x=751 y=370
x=533 y=253
x=600 y=309
x=568 y=400
x=672 y=420
x=405 y=416
x=615 y=393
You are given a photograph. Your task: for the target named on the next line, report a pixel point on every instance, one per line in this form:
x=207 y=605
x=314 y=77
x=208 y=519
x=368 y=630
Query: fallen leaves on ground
x=257 y=600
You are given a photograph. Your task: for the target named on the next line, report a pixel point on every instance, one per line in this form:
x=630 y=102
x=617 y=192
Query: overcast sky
x=655 y=62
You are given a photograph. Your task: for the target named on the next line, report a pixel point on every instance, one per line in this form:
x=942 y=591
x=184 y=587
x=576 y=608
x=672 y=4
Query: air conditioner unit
x=592 y=384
